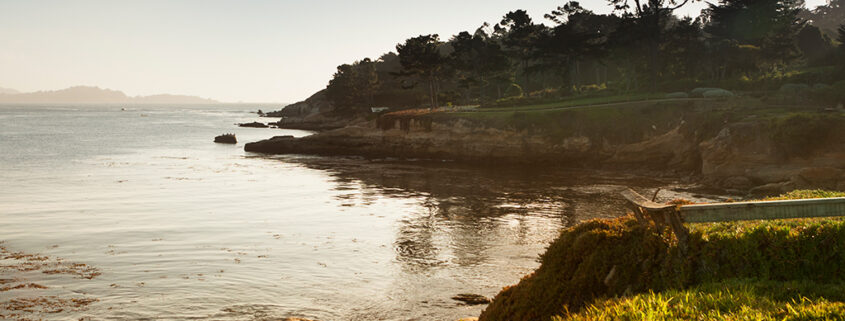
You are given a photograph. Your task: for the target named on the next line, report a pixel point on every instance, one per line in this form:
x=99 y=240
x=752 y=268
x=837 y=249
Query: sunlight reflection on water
x=186 y=229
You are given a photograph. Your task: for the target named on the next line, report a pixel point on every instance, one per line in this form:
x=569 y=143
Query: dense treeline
x=741 y=44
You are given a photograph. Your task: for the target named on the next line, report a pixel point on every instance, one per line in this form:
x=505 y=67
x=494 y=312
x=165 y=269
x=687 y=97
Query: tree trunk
x=431 y=93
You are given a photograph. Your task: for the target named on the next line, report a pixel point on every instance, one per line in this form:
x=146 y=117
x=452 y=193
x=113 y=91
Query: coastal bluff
x=728 y=144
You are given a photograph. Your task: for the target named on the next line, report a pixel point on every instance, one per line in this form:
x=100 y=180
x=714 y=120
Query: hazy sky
x=256 y=51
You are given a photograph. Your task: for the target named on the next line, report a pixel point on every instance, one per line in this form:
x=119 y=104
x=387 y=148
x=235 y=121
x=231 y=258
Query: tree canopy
x=641 y=46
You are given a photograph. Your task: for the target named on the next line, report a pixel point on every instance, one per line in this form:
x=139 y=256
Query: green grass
x=803 y=256
x=578 y=101
x=735 y=299
x=620 y=123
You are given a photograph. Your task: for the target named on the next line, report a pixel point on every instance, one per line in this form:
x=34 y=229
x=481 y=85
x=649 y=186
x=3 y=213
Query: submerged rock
x=471 y=299
x=226 y=139
x=254 y=124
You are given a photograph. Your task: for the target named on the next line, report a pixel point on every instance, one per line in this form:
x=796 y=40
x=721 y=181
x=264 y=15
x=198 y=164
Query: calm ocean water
x=182 y=228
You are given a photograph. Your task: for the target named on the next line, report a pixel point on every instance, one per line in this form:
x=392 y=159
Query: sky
x=233 y=51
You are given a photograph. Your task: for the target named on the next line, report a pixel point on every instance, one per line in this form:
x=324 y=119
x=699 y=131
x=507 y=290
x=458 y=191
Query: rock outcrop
x=757 y=155
x=314 y=113
x=747 y=154
x=254 y=124
x=226 y=139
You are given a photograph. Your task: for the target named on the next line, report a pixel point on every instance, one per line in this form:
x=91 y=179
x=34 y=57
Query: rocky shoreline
x=760 y=155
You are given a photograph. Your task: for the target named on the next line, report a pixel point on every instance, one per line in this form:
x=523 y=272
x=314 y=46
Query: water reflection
x=479 y=228
x=184 y=229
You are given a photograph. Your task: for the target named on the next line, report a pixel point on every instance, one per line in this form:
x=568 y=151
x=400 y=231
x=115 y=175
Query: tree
x=841 y=32
x=815 y=46
x=519 y=36
x=650 y=18
x=477 y=60
x=352 y=87
x=771 y=25
x=575 y=38
x=683 y=48
x=827 y=17
x=421 y=56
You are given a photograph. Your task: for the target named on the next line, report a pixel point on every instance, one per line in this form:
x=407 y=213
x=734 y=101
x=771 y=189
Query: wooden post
x=661 y=214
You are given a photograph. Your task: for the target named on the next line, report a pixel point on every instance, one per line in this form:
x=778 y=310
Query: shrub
x=833 y=94
x=678 y=85
x=794 y=88
x=607 y=258
x=717 y=93
x=699 y=92
x=679 y=94
x=514 y=90
x=592 y=88
x=545 y=93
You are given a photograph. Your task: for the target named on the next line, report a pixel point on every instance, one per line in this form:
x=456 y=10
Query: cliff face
x=761 y=155
x=316 y=113
x=756 y=155
x=313 y=105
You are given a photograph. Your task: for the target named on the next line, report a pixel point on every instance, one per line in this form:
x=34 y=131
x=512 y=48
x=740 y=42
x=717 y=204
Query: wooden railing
x=647 y=211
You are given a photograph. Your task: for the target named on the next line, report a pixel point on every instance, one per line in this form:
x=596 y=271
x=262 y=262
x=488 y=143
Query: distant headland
x=90 y=94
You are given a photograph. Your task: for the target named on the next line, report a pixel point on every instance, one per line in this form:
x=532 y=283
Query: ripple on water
x=182 y=228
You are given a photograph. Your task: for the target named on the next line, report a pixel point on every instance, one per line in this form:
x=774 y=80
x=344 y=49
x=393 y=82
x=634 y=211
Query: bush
x=831 y=95
x=678 y=85
x=717 y=93
x=545 y=93
x=699 y=92
x=514 y=90
x=679 y=94
x=794 y=88
x=607 y=258
x=585 y=89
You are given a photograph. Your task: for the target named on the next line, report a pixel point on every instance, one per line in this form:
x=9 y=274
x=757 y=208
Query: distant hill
x=88 y=94
x=8 y=91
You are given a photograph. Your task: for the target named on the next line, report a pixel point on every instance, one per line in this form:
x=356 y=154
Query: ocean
x=180 y=228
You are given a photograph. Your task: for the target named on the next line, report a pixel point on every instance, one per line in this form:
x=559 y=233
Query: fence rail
x=766 y=210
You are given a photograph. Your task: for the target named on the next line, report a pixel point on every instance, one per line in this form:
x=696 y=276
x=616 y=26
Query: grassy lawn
x=580 y=101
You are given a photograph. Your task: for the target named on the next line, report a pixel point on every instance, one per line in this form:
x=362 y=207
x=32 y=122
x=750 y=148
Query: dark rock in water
x=254 y=124
x=226 y=139
x=471 y=299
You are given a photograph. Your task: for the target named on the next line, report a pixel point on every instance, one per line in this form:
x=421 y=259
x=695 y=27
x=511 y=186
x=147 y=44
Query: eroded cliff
x=734 y=147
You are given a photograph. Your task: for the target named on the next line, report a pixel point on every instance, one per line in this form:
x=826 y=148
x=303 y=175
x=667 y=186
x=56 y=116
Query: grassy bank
x=616 y=268
x=735 y=299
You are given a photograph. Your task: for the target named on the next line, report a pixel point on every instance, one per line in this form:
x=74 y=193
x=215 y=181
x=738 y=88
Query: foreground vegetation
x=734 y=271
x=735 y=299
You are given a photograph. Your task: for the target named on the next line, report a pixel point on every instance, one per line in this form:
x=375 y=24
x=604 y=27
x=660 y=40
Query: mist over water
x=182 y=228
